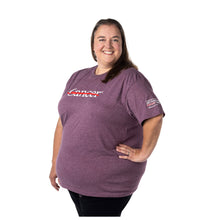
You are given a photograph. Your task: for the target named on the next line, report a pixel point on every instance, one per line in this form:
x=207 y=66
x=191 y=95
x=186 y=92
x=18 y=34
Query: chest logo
x=84 y=93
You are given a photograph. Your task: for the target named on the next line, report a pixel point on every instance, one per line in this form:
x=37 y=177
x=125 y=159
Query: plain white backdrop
x=176 y=46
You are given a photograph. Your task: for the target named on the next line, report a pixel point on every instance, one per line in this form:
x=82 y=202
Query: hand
x=131 y=154
x=53 y=177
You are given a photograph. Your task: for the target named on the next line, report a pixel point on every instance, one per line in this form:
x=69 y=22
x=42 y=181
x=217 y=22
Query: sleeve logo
x=151 y=103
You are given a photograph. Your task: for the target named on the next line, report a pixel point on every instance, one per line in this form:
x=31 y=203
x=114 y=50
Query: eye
x=101 y=40
x=115 y=40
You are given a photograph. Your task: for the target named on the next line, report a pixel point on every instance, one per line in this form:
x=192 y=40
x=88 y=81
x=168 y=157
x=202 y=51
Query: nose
x=108 y=44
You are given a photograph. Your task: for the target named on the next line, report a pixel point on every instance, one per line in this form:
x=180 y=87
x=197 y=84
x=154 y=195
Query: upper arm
x=153 y=125
x=59 y=123
x=155 y=120
x=142 y=103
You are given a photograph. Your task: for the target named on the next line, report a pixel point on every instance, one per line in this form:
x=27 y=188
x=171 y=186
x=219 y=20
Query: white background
x=175 y=45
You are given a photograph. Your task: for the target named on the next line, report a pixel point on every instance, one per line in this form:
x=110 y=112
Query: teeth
x=106 y=52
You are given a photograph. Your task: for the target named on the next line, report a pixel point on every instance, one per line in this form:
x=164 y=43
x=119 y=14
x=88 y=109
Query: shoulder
x=78 y=75
x=81 y=73
x=132 y=76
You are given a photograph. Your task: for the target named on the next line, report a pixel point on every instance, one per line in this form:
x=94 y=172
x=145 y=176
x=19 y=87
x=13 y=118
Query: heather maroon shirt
x=96 y=117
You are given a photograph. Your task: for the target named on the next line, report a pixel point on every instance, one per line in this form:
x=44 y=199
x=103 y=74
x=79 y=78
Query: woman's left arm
x=151 y=132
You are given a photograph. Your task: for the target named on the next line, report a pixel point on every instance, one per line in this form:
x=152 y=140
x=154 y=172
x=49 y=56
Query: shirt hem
x=104 y=194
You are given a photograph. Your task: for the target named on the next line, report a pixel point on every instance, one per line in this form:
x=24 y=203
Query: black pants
x=98 y=206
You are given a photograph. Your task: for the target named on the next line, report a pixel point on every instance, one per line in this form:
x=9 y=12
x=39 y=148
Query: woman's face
x=107 y=45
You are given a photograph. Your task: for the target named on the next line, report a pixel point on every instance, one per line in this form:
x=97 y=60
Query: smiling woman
x=110 y=120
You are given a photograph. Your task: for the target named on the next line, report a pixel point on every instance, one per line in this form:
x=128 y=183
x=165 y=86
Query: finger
x=124 y=157
x=57 y=187
x=122 y=150
x=54 y=184
x=124 y=146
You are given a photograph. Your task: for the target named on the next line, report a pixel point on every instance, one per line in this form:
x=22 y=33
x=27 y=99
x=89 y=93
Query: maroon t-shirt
x=96 y=117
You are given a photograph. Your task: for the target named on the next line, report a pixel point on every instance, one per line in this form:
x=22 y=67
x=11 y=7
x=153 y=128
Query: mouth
x=108 y=52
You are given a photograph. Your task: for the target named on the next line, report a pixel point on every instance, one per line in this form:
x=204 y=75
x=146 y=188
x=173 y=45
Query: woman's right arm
x=56 y=148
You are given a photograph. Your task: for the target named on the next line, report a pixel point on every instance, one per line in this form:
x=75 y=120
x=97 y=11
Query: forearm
x=151 y=132
x=57 y=141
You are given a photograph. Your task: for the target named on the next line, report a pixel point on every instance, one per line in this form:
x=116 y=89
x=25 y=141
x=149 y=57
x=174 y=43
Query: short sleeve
x=69 y=82
x=141 y=102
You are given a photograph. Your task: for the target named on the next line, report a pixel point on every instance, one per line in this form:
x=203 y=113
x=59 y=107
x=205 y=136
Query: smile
x=108 y=52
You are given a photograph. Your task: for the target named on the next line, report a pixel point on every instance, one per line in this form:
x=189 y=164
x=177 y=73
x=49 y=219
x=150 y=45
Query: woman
x=109 y=124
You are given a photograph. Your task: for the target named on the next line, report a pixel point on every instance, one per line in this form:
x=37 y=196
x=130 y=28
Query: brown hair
x=124 y=61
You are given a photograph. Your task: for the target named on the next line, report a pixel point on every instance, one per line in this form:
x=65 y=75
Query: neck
x=101 y=70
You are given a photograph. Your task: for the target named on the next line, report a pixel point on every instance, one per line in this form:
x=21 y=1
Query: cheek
x=97 y=47
x=118 y=48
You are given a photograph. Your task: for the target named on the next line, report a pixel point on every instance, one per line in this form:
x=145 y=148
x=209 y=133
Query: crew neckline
x=100 y=75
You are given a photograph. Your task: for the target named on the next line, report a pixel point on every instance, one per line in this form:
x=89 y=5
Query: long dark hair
x=124 y=61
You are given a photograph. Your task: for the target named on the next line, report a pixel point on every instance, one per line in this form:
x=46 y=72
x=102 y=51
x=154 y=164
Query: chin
x=110 y=62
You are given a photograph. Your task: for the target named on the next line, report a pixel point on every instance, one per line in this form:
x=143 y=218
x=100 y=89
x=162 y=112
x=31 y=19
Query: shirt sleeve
x=69 y=82
x=141 y=101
